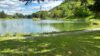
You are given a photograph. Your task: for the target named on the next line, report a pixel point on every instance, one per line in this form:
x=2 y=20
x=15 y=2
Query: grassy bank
x=85 y=44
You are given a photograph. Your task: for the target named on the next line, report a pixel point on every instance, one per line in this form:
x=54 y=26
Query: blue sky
x=16 y=6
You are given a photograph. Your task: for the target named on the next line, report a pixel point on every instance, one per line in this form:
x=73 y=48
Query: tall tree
x=95 y=7
x=2 y=14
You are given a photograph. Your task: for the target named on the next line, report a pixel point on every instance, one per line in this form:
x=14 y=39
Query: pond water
x=27 y=26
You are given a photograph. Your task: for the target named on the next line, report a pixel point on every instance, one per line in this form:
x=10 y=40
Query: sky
x=15 y=6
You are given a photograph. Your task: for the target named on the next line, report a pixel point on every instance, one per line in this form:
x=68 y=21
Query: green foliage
x=2 y=14
x=18 y=15
x=40 y=14
x=74 y=8
x=82 y=12
x=56 y=14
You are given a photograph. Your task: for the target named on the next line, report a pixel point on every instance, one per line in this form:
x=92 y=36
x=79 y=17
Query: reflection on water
x=27 y=26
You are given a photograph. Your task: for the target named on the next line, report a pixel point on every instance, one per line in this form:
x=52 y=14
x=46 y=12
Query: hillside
x=70 y=9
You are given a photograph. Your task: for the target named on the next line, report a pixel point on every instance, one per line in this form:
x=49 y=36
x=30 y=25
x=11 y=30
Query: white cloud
x=51 y=5
x=47 y=6
x=16 y=6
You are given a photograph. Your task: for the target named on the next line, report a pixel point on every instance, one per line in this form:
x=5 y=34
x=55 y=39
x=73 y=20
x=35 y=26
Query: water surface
x=27 y=26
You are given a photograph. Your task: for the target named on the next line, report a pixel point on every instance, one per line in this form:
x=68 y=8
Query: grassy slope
x=86 y=44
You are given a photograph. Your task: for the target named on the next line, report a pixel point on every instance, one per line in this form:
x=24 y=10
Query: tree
x=41 y=14
x=56 y=14
x=18 y=15
x=35 y=15
x=29 y=1
x=95 y=7
x=83 y=2
x=2 y=14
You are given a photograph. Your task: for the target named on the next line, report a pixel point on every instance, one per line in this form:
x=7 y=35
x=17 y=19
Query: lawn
x=84 y=44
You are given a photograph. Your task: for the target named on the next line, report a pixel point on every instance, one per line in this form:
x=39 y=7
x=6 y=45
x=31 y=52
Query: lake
x=27 y=26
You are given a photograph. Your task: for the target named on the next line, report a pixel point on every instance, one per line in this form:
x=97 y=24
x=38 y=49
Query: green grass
x=85 y=44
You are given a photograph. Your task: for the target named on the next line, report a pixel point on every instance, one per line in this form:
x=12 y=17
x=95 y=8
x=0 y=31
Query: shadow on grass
x=85 y=44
